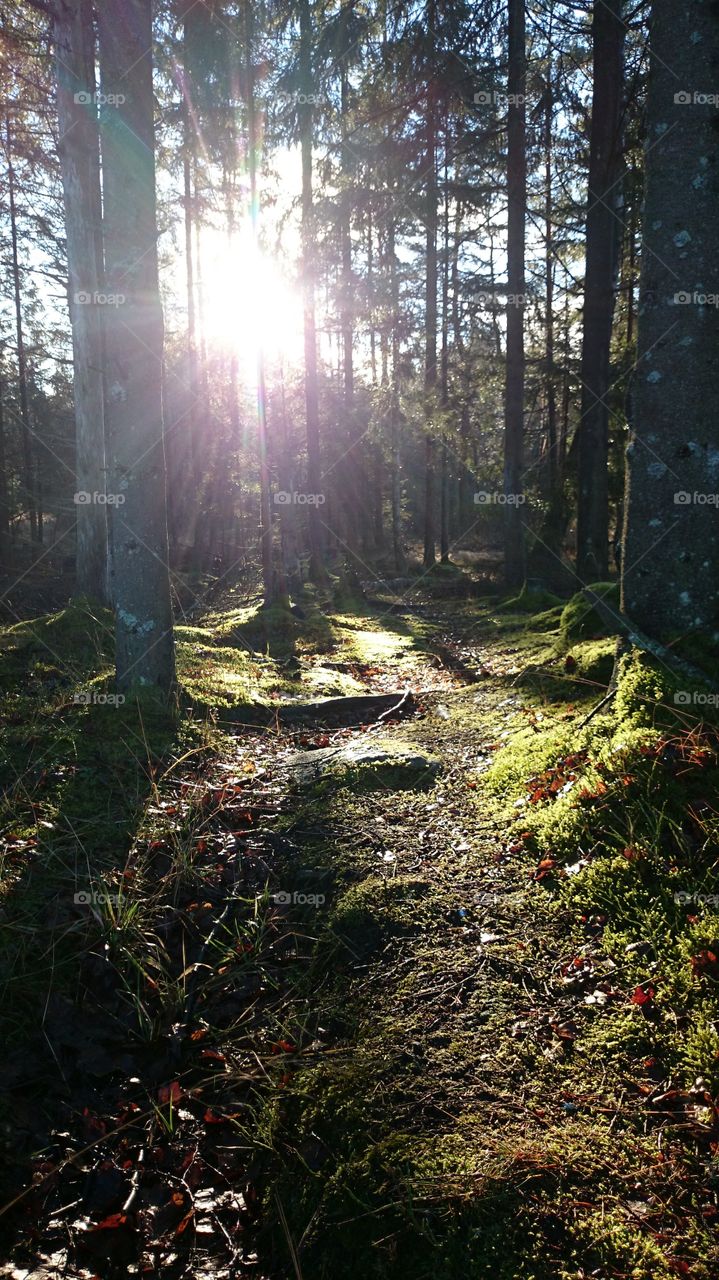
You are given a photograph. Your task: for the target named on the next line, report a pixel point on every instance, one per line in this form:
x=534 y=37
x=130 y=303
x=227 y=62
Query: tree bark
x=28 y=460
x=317 y=568
x=79 y=151
x=286 y=465
x=270 y=578
x=352 y=476
x=188 y=481
x=444 y=367
x=400 y=560
x=550 y=385
x=465 y=517
x=134 y=353
x=670 y=561
x=602 y=243
x=4 y=497
x=430 y=358
x=517 y=205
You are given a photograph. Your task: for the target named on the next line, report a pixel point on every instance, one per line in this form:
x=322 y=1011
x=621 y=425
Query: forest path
x=459 y=1099
x=368 y=1039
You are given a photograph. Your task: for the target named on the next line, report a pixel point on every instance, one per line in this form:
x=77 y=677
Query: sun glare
x=249 y=304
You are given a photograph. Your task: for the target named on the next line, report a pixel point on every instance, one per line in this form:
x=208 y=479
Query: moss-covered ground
x=463 y=1027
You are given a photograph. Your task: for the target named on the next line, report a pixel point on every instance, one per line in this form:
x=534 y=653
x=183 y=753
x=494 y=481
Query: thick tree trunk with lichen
x=134 y=352
x=79 y=151
x=671 y=539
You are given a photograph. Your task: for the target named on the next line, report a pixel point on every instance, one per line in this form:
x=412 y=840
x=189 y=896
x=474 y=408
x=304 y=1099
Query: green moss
x=370 y=913
x=629 y=823
x=594 y=663
x=215 y=676
x=530 y=600
x=547 y=620
x=582 y=674
x=645 y=695
x=80 y=630
x=580 y=620
x=528 y=753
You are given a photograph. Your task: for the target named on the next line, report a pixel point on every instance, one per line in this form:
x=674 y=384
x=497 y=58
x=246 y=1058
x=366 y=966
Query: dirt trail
x=382 y=1062
x=463 y=1115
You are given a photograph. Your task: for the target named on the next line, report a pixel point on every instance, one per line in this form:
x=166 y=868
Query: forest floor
x=435 y=994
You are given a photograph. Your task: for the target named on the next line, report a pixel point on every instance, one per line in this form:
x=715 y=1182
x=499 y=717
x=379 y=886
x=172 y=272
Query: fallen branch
x=402 y=705
x=595 y=710
x=621 y=649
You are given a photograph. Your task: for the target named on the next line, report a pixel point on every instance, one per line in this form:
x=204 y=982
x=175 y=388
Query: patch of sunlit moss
x=528 y=752
x=627 y=814
x=321 y=683
x=376 y=647
x=581 y=621
x=547 y=619
x=530 y=600
x=276 y=630
x=225 y=677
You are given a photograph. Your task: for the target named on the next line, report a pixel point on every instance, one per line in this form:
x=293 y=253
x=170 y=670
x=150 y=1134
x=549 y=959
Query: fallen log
x=332 y=712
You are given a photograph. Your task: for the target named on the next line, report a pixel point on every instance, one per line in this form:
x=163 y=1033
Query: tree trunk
x=370 y=292
x=465 y=516
x=363 y=467
x=566 y=388
x=352 y=475
x=550 y=386
x=188 y=481
x=378 y=501
x=270 y=578
x=79 y=151
x=317 y=569
x=670 y=561
x=430 y=359
x=28 y=462
x=599 y=287
x=4 y=498
x=289 y=540
x=134 y=353
x=400 y=562
x=517 y=205
x=444 y=366
x=346 y=287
